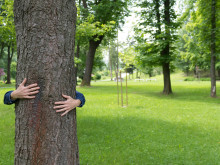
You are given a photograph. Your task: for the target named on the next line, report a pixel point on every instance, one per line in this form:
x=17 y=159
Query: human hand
x=25 y=92
x=66 y=106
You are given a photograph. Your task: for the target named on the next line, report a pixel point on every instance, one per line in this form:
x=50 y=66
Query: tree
x=87 y=28
x=7 y=31
x=45 y=46
x=165 y=53
x=202 y=36
x=213 y=48
x=105 y=12
x=127 y=56
x=113 y=57
x=156 y=35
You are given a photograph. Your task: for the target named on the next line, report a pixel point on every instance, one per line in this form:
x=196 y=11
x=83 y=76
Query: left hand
x=66 y=106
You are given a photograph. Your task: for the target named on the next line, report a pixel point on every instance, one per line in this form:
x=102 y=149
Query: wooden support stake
x=121 y=91
x=117 y=86
x=126 y=90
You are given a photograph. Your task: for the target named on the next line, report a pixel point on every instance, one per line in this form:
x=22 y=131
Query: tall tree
x=10 y=56
x=165 y=53
x=202 y=36
x=113 y=57
x=213 y=48
x=105 y=11
x=156 y=34
x=45 y=46
x=7 y=30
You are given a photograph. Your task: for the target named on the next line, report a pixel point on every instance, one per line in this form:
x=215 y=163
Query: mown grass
x=179 y=129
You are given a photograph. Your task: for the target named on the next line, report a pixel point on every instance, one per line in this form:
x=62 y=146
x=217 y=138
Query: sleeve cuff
x=81 y=97
x=7 y=98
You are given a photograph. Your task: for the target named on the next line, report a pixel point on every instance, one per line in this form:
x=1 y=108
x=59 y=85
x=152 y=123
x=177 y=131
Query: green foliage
x=128 y=56
x=196 y=34
x=113 y=54
x=152 y=36
x=100 y=18
x=196 y=79
x=7 y=28
x=97 y=76
x=90 y=28
x=97 y=19
x=98 y=61
x=13 y=69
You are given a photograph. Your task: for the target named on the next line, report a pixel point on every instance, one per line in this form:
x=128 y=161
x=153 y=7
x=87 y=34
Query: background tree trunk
x=110 y=62
x=93 y=45
x=2 y=50
x=45 y=46
x=10 y=56
x=166 y=79
x=213 y=49
x=77 y=55
x=166 y=50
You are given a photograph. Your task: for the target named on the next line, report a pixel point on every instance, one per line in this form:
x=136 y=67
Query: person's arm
x=7 y=98
x=22 y=92
x=81 y=97
x=25 y=92
x=70 y=103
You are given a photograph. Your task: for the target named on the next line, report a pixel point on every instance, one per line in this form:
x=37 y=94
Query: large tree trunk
x=45 y=46
x=166 y=79
x=93 y=45
x=213 y=49
x=166 y=50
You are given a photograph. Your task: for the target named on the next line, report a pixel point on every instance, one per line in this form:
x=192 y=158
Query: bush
x=96 y=77
x=196 y=79
x=190 y=79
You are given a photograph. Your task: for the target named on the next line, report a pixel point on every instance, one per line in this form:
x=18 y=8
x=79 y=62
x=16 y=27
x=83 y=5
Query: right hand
x=25 y=92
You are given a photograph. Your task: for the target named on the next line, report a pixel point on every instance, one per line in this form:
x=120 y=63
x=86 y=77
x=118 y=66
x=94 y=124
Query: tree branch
x=85 y=4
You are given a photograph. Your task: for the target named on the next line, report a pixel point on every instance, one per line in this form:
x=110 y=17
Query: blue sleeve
x=81 y=97
x=7 y=98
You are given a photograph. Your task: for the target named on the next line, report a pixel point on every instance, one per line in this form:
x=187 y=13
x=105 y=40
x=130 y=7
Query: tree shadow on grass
x=132 y=140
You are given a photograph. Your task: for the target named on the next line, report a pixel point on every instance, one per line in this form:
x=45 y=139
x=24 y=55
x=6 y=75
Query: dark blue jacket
x=8 y=100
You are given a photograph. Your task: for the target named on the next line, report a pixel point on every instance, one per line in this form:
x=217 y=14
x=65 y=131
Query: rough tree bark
x=93 y=45
x=45 y=45
x=166 y=50
x=213 y=49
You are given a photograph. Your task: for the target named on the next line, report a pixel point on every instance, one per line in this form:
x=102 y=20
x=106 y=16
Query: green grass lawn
x=179 y=129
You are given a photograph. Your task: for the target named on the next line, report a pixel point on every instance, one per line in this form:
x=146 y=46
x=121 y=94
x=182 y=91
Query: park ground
x=179 y=129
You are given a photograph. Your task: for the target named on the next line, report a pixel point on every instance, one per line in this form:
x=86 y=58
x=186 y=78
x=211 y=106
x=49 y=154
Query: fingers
x=64 y=113
x=60 y=102
x=34 y=89
x=29 y=97
x=33 y=93
x=64 y=105
x=61 y=110
x=23 y=82
x=32 y=86
x=60 y=106
x=65 y=96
